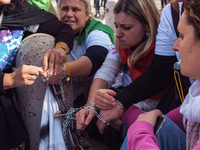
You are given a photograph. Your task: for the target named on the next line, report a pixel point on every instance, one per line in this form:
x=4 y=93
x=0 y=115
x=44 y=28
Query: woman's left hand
x=104 y=98
x=150 y=117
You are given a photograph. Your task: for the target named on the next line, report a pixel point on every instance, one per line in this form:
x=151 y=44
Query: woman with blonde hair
x=136 y=24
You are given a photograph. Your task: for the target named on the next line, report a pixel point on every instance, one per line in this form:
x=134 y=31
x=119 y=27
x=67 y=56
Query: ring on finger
x=31 y=78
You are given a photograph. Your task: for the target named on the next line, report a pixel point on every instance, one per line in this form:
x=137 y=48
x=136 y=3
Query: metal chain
x=48 y=75
x=61 y=91
x=70 y=115
x=119 y=104
x=97 y=115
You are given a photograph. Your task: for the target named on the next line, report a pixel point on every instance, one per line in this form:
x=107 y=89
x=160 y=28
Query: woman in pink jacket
x=186 y=117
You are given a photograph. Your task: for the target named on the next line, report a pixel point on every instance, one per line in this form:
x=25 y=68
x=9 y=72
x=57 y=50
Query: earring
x=147 y=33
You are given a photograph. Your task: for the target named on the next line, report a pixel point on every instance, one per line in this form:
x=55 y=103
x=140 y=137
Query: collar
x=191 y=105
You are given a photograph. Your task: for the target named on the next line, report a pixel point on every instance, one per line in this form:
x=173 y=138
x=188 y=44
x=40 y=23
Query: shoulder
x=166 y=36
x=97 y=33
x=98 y=37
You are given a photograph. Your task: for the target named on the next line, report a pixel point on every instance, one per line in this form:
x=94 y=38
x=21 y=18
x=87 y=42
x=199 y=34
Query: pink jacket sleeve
x=176 y=117
x=197 y=147
x=140 y=136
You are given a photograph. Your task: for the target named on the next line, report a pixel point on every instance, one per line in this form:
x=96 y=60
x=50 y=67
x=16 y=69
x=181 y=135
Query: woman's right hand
x=83 y=118
x=23 y=76
x=104 y=98
x=150 y=117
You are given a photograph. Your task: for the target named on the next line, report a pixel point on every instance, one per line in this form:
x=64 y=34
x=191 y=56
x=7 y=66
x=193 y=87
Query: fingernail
x=113 y=104
x=55 y=73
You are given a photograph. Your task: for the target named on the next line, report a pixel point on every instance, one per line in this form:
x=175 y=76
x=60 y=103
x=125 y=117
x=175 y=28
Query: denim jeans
x=170 y=137
x=97 y=6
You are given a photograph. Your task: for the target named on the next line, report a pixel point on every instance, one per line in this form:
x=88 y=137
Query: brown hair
x=16 y=6
x=175 y=5
x=193 y=16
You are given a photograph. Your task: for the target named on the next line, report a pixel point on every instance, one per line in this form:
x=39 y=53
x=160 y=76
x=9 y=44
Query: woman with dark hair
x=17 y=18
x=186 y=117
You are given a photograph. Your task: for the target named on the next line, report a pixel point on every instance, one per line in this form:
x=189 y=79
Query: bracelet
x=90 y=104
x=64 y=50
x=119 y=105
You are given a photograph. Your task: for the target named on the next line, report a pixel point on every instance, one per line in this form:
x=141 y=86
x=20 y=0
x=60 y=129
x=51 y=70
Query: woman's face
x=73 y=13
x=189 y=49
x=3 y=2
x=129 y=31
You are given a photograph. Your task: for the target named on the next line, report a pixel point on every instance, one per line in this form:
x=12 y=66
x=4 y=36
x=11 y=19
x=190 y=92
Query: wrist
x=92 y=105
x=63 y=73
x=64 y=50
x=7 y=81
x=119 y=104
x=67 y=70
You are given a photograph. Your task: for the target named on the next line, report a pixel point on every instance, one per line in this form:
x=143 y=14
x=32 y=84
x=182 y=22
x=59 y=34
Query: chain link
x=119 y=104
x=48 y=75
x=70 y=115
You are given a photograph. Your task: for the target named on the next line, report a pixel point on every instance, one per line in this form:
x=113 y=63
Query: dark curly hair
x=192 y=8
x=16 y=6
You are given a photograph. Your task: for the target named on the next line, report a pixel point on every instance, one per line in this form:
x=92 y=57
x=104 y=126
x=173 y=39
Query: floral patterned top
x=9 y=43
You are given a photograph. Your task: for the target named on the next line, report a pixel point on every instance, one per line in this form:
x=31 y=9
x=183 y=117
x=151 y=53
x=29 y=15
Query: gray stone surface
x=31 y=98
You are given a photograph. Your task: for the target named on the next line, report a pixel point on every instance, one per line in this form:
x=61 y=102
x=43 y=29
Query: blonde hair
x=147 y=13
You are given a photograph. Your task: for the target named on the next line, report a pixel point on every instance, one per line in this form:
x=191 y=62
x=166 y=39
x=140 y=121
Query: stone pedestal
x=31 y=98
